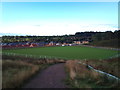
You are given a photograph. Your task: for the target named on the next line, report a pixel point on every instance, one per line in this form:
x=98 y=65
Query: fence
x=109 y=76
x=115 y=56
x=34 y=56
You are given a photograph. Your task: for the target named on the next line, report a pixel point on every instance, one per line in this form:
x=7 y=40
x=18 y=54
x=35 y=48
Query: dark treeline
x=107 y=39
x=95 y=38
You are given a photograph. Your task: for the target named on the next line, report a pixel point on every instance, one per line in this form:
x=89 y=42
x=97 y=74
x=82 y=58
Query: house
x=51 y=44
x=85 y=42
x=77 y=42
x=58 y=44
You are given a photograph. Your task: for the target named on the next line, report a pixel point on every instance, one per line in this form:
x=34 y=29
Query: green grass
x=67 y=52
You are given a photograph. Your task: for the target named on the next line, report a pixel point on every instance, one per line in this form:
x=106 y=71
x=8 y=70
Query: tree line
x=92 y=37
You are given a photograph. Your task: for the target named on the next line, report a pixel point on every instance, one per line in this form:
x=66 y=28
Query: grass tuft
x=86 y=78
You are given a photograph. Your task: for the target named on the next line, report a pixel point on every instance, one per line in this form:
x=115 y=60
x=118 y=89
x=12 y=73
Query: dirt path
x=52 y=77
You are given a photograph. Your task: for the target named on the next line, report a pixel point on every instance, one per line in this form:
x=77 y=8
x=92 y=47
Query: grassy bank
x=80 y=76
x=16 y=71
x=111 y=66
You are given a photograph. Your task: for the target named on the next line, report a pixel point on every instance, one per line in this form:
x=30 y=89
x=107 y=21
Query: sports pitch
x=66 y=52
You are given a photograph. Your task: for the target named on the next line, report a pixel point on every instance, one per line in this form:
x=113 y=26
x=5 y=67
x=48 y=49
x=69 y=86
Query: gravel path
x=52 y=77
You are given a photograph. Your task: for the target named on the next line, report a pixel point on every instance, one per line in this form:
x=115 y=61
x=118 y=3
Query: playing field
x=66 y=52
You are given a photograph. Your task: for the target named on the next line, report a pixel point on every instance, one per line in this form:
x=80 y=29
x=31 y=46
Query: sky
x=57 y=18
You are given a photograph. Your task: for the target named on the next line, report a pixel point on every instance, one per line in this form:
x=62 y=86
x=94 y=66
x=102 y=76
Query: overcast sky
x=58 y=18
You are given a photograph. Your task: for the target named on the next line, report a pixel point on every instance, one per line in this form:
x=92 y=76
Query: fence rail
x=109 y=76
x=34 y=56
x=48 y=57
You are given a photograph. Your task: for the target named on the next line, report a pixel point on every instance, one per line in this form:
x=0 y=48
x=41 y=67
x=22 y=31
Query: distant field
x=66 y=52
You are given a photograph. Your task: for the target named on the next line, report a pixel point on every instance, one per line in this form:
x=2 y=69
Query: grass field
x=66 y=52
x=18 y=70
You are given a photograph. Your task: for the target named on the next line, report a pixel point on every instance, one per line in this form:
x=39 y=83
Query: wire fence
x=34 y=56
x=109 y=76
x=49 y=57
x=115 y=56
